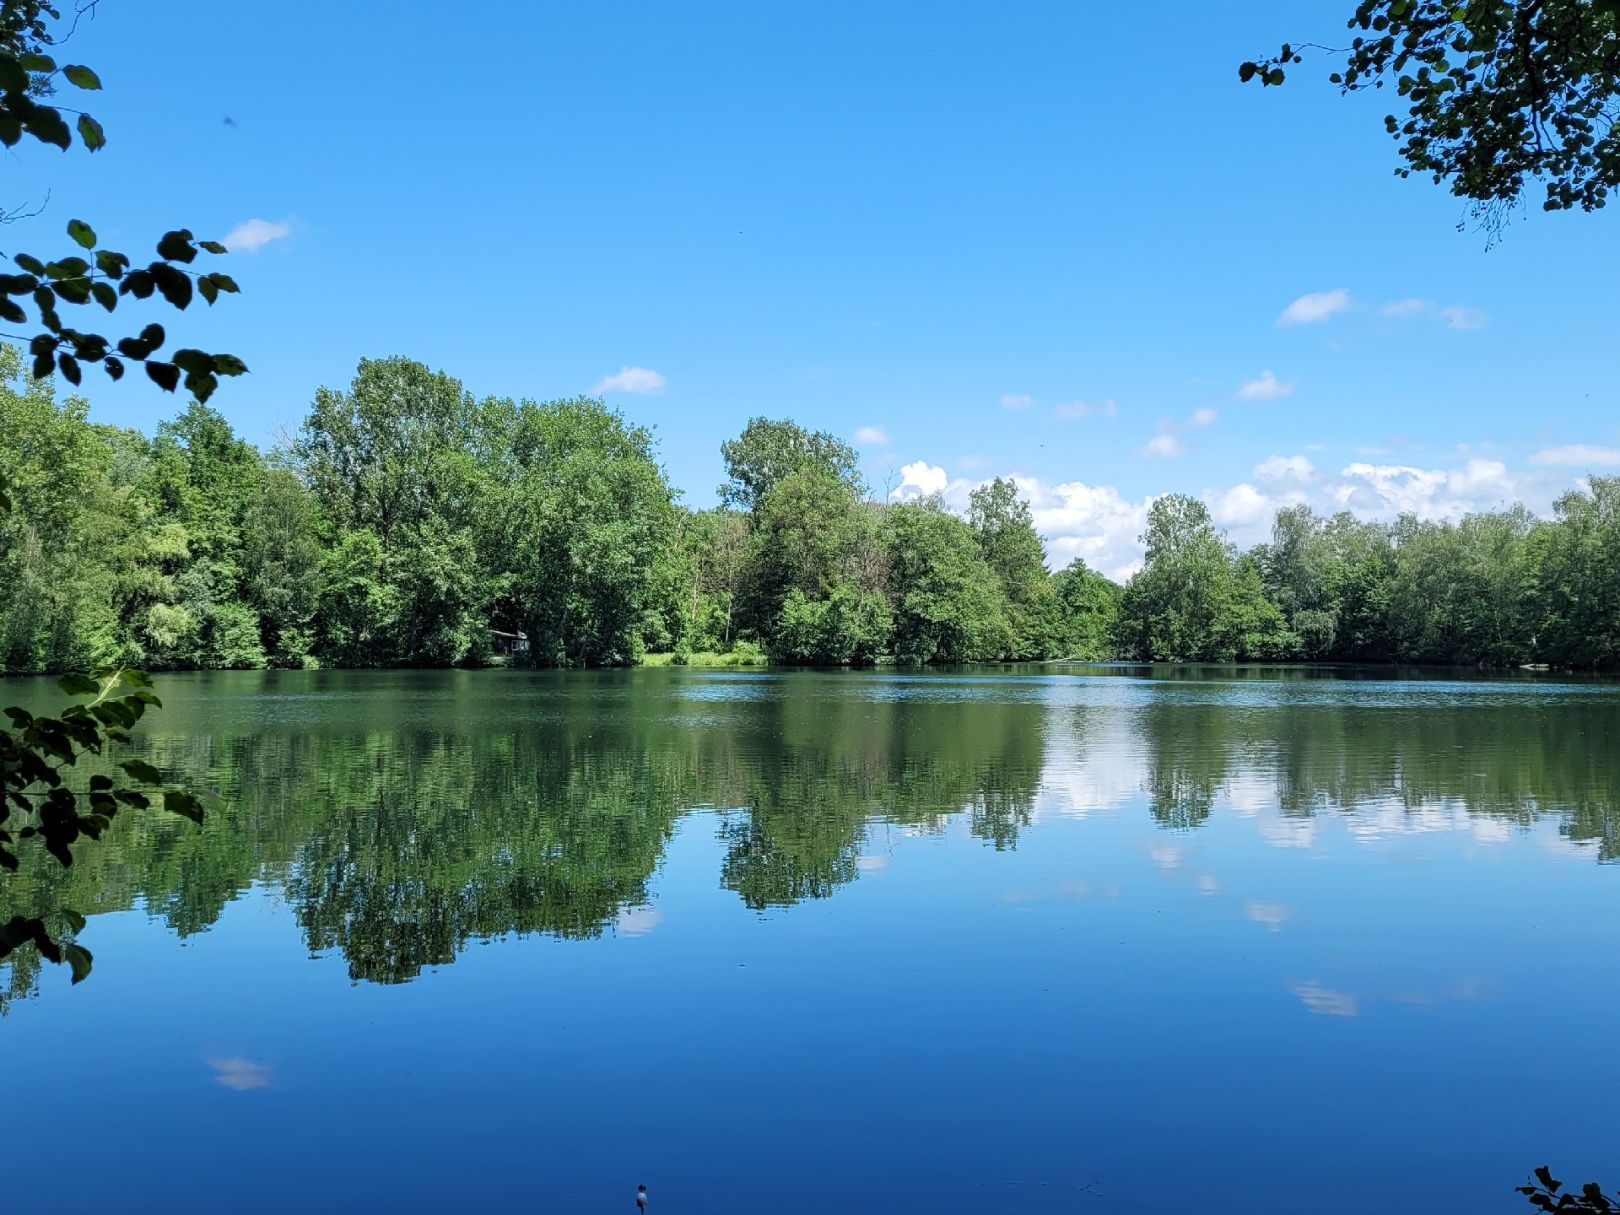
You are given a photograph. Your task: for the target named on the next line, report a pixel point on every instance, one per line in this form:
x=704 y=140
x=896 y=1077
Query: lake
x=1082 y=940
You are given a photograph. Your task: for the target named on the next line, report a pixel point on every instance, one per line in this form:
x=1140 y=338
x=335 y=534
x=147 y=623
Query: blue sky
x=1037 y=239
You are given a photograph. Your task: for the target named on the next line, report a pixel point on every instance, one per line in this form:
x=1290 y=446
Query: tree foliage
x=92 y=274
x=53 y=794
x=767 y=452
x=1497 y=93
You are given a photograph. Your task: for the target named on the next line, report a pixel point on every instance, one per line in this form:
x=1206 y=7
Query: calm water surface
x=809 y=942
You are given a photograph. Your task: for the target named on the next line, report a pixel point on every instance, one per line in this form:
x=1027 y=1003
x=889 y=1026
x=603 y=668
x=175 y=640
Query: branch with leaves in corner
x=1497 y=93
x=40 y=805
x=29 y=75
x=1547 y=1194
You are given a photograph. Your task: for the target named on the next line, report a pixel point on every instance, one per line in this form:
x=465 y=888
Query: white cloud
x=1455 y=316
x=1203 y=417
x=1017 y=400
x=1383 y=490
x=871 y=436
x=1164 y=446
x=1243 y=505
x=1079 y=409
x=1578 y=455
x=637 y=921
x=1410 y=306
x=1315 y=306
x=1272 y=915
x=1324 y=1001
x=1092 y=522
x=1463 y=318
x=630 y=379
x=1167 y=856
x=1098 y=524
x=251 y=235
x=919 y=480
x=1266 y=388
x=1278 y=469
x=240 y=1074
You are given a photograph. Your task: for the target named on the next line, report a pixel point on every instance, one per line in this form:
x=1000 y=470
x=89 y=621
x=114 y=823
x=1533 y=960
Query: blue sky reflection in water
x=850 y=941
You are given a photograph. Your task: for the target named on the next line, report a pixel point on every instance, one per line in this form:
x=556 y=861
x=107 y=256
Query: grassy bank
x=743 y=655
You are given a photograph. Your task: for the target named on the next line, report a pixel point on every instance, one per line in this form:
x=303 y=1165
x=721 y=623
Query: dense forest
x=408 y=523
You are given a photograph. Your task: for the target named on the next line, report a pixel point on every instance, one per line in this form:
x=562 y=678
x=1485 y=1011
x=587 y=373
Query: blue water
x=800 y=943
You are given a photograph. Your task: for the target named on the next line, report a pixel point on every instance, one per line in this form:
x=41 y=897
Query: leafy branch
x=28 y=79
x=1543 y=1193
x=1497 y=92
x=74 y=280
x=38 y=755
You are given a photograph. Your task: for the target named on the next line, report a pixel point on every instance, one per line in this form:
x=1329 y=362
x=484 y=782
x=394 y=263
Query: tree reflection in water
x=404 y=821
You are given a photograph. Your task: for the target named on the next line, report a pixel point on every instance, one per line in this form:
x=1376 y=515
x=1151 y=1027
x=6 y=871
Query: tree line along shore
x=408 y=523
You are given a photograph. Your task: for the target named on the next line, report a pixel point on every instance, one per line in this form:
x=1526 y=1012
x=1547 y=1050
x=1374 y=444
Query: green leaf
x=70 y=369
x=178 y=801
x=114 y=367
x=192 y=360
x=153 y=336
x=142 y=771
x=175 y=285
x=165 y=375
x=67 y=267
x=207 y=288
x=46 y=125
x=105 y=295
x=100 y=781
x=138 y=283
x=73 y=290
x=74 y=919
x=81 y=77
x=111 y=264
x=229 y=364
x=33 y=61
x=225 y=283
x=13 y=78
x=44 y=364
x=11 y=311
x=212 y=246
x=78 y=684
x=91 y=134
x=201 y=384
x=78 y=957
x=82 y=232
x=29 y=263
x=176 y=246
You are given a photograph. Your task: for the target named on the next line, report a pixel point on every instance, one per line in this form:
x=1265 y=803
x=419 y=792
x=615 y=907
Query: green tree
x=395 y=458
x=1576 y=563
x=767 y=452
x=282 y=562
x=806 y=537
x=1087 y=612
x=948 y=603
x=1011 y=547
x=582 y=515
